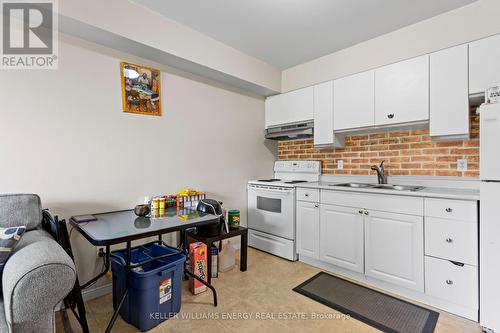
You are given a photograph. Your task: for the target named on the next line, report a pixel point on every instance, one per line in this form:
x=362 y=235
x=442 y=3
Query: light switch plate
x=340 y=164
x=461 y=165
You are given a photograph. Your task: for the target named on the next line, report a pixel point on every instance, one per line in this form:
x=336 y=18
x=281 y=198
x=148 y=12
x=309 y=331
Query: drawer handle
x=306 y=194
x=449 y=210
x=390 y=115
x=449 y=240
x=449 y=282
x=456 y=263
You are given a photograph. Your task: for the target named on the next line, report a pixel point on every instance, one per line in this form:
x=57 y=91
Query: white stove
x=271 y=207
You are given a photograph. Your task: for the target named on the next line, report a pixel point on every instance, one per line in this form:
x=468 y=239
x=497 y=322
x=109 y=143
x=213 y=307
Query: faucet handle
x=382 y=164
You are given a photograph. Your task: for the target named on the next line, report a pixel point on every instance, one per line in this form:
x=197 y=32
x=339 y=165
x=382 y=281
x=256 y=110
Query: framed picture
x=140 y=89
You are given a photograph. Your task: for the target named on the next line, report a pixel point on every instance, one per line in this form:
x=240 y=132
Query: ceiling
x=285 y=33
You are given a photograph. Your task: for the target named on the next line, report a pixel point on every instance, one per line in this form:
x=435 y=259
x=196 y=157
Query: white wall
x=475 y=21
x=64 y=136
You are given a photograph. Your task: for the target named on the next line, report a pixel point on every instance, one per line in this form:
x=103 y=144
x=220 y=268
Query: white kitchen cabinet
x=354 y=101
x=394 y=249
x=291 y=107
x=484 y=67
x=402 y=92
x=323 y=114
x=308 y=229
x=449 y=92
x=341 y=237
x=452 y=282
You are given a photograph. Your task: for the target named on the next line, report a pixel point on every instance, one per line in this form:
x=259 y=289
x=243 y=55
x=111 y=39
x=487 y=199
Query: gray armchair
x=38 y=274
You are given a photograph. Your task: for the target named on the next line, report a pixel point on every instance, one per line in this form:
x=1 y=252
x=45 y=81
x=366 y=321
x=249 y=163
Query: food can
x=233 y=219
x=161 y=205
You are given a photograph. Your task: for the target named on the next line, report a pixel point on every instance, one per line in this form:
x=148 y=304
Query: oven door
x=272 y=210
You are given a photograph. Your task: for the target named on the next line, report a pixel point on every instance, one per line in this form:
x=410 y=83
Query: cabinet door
x=323 y=114
x=402 y=92
x=354 y=101
x=449 y=92
x=484 y=67
x=394 y=249
x=275 y=110
x=341 y=237
x=290 y=107
x=308 y=229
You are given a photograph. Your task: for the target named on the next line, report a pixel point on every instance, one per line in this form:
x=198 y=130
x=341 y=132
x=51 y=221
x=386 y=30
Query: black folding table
x=124 y=227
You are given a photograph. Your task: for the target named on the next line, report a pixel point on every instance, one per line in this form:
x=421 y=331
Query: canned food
x=161 y=206
x=234 y=219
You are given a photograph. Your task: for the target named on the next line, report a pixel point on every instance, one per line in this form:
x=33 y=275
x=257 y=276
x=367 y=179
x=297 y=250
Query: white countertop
x=429 y=192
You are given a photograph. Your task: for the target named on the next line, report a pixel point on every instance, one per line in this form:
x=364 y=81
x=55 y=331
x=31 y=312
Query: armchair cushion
x=20 y=209
x=38 y=275
x=8 y=239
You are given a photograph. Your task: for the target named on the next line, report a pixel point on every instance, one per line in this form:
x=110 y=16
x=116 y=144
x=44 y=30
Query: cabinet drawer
x=308 y=194
x=456 y=284
x=451 y=239
x=451 y=209
x=379 y=202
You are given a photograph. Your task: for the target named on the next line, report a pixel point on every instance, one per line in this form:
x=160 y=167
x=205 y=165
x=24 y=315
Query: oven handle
x=266 y=189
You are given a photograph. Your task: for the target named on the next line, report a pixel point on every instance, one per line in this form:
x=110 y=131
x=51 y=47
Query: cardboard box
x=214 y=252
x=198 y=258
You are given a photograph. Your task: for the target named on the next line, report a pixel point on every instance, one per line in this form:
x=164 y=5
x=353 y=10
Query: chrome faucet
x=382 y=177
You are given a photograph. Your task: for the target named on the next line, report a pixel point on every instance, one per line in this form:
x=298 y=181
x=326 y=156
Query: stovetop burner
x=270 y=180
x=296 y=181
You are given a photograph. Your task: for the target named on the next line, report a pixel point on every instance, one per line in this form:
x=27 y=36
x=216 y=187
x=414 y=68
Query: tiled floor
x=265 y=289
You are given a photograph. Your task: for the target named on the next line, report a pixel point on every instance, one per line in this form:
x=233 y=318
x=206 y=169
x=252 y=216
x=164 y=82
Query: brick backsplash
x=406 y=153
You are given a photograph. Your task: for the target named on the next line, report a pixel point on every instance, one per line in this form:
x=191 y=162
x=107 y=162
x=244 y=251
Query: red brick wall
x=406 y=153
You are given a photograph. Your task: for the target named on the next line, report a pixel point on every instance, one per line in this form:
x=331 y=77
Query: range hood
x=291 y=132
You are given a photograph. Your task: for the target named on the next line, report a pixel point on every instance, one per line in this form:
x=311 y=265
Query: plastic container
x=155 y=288
x=227 y=257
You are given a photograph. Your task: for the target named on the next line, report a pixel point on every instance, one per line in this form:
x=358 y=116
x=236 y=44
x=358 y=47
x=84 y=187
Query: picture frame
x=141 y=89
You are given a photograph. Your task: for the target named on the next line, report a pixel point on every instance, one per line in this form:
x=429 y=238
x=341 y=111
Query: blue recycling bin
x=154 y=288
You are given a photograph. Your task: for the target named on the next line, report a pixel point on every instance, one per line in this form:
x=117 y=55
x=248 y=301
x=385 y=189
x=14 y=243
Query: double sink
x=381 y=186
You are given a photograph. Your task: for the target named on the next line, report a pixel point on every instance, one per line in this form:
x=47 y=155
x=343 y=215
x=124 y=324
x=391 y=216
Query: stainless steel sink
x=354 y=185
x=399 y=187
x=381 y=186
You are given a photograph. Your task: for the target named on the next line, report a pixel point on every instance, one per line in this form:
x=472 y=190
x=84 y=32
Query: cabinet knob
x=390 y=115
x=449 y=282
x=306 y=194
x=449 y=240
x=449 y=210
x=360 y=211
x=366 y=212
x=316 y=205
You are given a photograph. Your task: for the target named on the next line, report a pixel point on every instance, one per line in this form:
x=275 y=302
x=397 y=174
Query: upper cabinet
x=484 y=64
x=323 y=114
x=353 y=104
x=402 y=92
x=449 y=92
x=291 y=107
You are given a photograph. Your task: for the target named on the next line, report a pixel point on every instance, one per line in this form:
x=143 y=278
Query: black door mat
x=384 y=312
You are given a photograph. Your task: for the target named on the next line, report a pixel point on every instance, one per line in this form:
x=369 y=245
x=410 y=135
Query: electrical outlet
x=340 y=164
x=461 y=165
x=101 y=250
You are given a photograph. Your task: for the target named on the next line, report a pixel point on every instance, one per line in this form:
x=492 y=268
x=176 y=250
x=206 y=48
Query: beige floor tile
x=265 y=288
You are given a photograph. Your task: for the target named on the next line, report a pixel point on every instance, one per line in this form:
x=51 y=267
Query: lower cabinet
x=452 y=281
x=308 y=229
x=341 y=237
x=394 y=249
x=381 y=239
